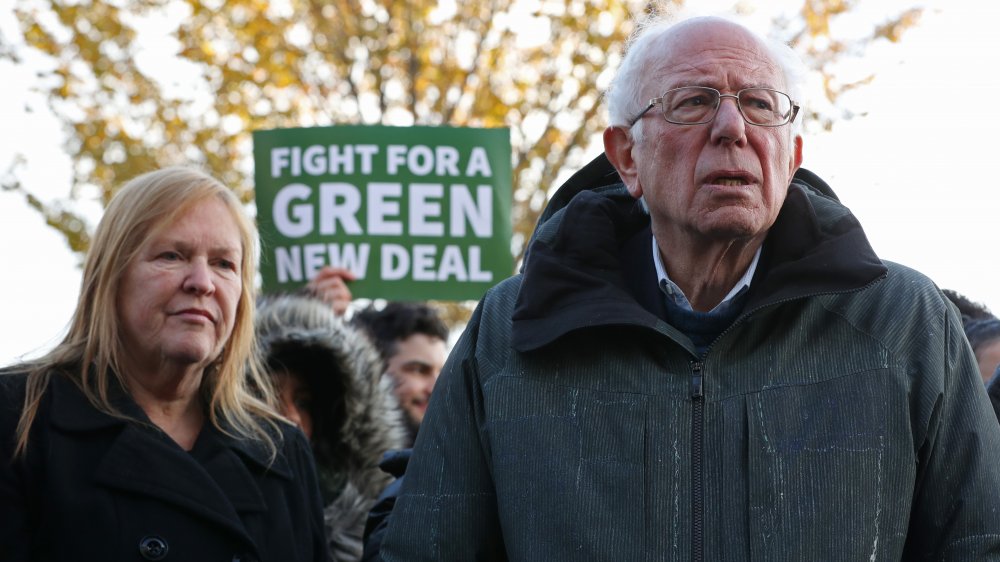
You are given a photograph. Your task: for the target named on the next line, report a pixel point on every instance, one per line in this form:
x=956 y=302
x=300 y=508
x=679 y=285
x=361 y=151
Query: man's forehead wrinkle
x=752 y=65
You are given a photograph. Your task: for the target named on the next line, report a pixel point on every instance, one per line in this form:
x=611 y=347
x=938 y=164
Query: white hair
x=623 y=95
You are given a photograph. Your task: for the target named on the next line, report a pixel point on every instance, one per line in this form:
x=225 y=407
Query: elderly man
x=731 y=375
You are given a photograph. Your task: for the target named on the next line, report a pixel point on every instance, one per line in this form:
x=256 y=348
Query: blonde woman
x=150 y=432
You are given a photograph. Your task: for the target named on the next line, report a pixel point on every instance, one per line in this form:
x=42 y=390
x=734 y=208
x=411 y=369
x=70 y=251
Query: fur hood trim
x=301 y=332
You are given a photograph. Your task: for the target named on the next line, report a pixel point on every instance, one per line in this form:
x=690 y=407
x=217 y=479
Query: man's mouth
x=733 y=177
x=732 y=182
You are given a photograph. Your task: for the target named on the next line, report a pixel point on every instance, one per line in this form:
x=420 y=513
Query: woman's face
x=295 y=400
x=177 y=300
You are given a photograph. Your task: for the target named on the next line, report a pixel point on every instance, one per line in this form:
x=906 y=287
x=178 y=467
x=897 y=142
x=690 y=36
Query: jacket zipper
x=698 y=434
x=697 y=460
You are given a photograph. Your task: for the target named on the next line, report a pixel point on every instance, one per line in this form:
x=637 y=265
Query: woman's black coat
x=95 y=487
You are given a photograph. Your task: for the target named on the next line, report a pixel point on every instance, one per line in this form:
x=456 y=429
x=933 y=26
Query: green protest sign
x=414 y=212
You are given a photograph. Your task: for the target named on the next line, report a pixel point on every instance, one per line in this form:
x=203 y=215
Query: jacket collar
x=816 y=246
x=72 y=412
x=584 y=267
x=139 y=459
x=574 y=275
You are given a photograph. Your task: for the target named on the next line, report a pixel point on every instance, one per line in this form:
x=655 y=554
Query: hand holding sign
x=330 y=286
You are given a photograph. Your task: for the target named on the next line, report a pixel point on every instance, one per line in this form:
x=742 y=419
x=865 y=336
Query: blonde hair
x=238 y=392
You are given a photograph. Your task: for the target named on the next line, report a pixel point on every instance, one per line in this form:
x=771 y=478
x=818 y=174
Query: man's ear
x=618 y=145
x=796 y=160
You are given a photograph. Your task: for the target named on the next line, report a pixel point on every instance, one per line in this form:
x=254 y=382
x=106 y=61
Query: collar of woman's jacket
x=73 y=413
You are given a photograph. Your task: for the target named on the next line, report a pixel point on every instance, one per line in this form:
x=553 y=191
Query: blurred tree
x=232 y=66
x=812 y=36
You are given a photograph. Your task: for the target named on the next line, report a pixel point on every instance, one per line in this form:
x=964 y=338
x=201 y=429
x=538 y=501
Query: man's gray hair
x=623 y=95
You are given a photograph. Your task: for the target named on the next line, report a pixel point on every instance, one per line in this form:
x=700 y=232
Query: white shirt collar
x=678 y=296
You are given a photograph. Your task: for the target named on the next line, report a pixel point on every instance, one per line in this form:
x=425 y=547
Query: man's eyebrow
x=416 y=362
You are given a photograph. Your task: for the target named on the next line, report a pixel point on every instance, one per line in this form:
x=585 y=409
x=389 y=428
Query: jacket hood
x=344 y=374
x=574 y=272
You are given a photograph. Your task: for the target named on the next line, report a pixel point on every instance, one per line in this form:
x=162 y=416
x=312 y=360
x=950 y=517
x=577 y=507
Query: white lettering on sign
x=478 y=213
x=421 y=263
x=422 y=160
x=299 y=221
x=422 y=209
x=419 y=160
x=381 y=209
x=339 y=202
x=300 y=263
x=478 y=163
x=339 y=207
x=318 y=160
x=396 y=262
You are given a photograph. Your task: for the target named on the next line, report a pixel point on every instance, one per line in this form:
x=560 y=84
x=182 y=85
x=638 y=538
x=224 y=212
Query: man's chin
x=412 y=421
x=733 y=229
x=734 y=222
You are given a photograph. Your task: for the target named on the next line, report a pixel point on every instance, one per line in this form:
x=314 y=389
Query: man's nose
x=728 y=125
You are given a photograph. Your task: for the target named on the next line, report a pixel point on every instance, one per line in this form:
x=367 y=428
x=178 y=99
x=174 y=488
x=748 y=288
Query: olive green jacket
x=840 y=417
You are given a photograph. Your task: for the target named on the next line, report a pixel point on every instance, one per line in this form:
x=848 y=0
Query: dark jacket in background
x=97 y=488
x=394 y=463
x=840 y=416
x=994 y=392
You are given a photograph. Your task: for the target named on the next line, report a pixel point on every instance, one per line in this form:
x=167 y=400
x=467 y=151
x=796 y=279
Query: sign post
x=415 y=213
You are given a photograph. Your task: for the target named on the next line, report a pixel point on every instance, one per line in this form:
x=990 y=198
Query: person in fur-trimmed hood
x=329 y=379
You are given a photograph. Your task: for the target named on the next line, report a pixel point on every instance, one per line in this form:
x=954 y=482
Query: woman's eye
x=170 y=256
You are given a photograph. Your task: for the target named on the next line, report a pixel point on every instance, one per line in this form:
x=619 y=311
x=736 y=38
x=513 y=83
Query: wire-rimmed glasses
x=694 y=105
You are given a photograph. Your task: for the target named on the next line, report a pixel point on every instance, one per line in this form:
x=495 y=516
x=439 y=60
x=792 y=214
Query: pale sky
x=913 y=167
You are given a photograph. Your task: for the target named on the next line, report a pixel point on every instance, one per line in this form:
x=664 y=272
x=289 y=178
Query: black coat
x=95 y=487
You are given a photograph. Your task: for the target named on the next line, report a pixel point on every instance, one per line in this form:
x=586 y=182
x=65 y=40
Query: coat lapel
x=232 y=464
x=142 y=460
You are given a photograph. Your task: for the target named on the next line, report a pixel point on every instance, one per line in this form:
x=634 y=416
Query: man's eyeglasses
x=694 y=105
